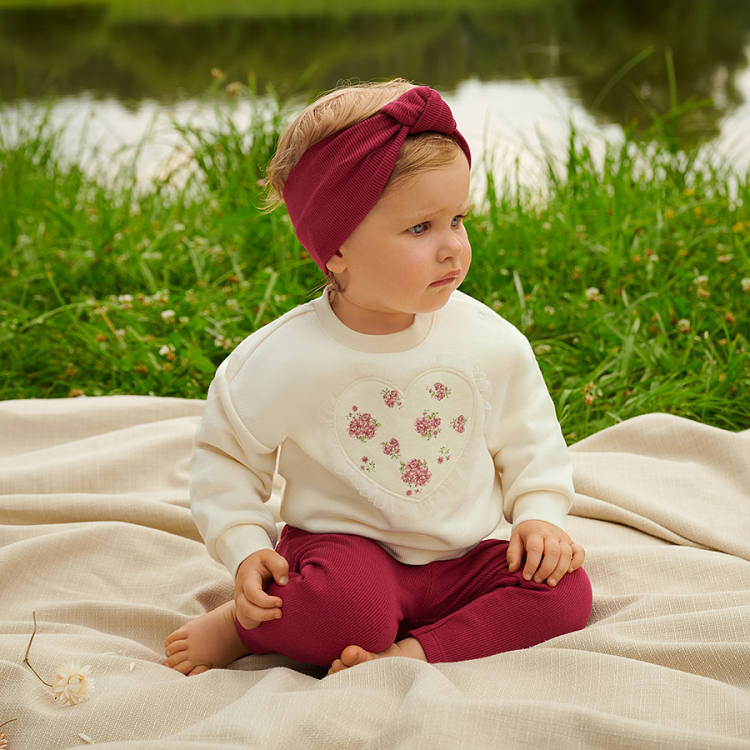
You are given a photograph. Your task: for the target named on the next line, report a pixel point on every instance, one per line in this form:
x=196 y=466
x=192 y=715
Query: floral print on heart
x=428 y=425
x=459 y=424
x=362 y=426
x=391 y=397
x=439 y=391
x=425 y=426
x=415 y=475
x=392 y=448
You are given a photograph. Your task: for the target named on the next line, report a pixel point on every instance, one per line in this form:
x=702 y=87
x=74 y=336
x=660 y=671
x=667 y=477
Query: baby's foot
x=208 y=642
x=353 y=655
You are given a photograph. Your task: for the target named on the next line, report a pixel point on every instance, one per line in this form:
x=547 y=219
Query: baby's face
x=409 y=254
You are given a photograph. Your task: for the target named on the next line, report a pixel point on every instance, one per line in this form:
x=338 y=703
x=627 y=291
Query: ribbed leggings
x=346 y=590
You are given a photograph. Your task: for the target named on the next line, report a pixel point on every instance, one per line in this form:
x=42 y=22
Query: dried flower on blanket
x=71 y=684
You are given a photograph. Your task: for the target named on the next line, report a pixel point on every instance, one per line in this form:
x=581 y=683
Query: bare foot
x=208 y=642
x=353 y=655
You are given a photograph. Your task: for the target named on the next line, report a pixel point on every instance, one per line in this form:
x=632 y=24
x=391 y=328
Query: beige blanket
x=97 y=538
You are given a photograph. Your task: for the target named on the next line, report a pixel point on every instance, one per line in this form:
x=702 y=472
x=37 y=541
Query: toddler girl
x=407 y=418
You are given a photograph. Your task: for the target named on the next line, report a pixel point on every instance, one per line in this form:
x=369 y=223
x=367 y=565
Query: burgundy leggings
x=346 y=590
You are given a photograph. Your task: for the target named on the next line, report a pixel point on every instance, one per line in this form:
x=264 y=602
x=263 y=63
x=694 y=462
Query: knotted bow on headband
x=339 y=179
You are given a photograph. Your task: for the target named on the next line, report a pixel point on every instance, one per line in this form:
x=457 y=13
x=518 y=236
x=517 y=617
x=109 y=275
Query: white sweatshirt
x=421 y=440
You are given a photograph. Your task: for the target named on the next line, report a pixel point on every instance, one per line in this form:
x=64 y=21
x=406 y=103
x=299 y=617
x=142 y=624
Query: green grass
x=630 y=277
x=190 y=10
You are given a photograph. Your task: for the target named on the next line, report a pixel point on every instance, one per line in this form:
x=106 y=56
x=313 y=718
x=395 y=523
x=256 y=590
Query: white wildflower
x=168 y=315
x=72 y=684
x=166 y=350
x=683 y=325
x=593 y=294
x=745 y=284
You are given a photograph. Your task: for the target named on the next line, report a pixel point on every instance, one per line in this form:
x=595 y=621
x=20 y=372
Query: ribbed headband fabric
x=339 y=179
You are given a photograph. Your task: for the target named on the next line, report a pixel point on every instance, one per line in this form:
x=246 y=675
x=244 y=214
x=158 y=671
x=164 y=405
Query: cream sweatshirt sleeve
x=527 y=444
x=230 y=481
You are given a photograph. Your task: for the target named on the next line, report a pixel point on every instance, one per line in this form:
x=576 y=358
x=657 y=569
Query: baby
x=407 y=419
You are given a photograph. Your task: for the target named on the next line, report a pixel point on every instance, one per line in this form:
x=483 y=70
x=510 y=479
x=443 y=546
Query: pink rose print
x=445 y=454
x=392 y=448
x=416 y=475
x=362 y=426
x=428 y=425
x=459 y=424
x=391 y=397
x=439 y=391
x=367 y=465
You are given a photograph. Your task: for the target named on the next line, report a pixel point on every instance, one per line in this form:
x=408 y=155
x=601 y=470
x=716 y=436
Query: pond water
x=516 y=72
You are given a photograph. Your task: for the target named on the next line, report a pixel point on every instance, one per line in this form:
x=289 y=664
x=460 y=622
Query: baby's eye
x=418 y=228
x=457 y=220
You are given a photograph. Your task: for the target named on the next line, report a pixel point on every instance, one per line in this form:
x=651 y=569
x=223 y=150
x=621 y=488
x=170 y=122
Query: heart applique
x=404 y=442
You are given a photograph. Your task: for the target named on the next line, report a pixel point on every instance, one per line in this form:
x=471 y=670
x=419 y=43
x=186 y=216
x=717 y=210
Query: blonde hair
x=339 y=110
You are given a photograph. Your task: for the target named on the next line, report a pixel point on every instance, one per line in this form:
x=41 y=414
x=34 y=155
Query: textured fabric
x=96 y=536
x=346 y=590
x=339 y=179
x=422 y=445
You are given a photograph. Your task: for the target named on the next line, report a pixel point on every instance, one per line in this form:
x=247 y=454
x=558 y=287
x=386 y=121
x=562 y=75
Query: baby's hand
x=550 y=552
x=254 y=605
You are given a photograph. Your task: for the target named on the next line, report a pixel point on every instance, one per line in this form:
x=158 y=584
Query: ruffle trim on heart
x=380 y=497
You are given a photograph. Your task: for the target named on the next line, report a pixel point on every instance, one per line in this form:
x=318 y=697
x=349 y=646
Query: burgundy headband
x=339 y=179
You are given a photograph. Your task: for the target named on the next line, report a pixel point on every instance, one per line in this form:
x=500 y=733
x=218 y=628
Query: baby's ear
x=337 y=264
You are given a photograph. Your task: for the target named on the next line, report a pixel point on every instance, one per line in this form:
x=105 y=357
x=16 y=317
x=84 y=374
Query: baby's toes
x=171 y=649
x=337 y=666
x=178 y=635
x=180 y=663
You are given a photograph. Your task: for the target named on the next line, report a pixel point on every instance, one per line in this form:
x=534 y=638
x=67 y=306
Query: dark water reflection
x=586 y=43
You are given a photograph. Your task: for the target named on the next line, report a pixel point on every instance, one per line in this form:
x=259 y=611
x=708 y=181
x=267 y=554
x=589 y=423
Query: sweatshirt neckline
x=402 y=341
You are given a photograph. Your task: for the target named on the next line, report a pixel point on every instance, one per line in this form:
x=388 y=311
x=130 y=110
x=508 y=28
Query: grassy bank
x=632 y=280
